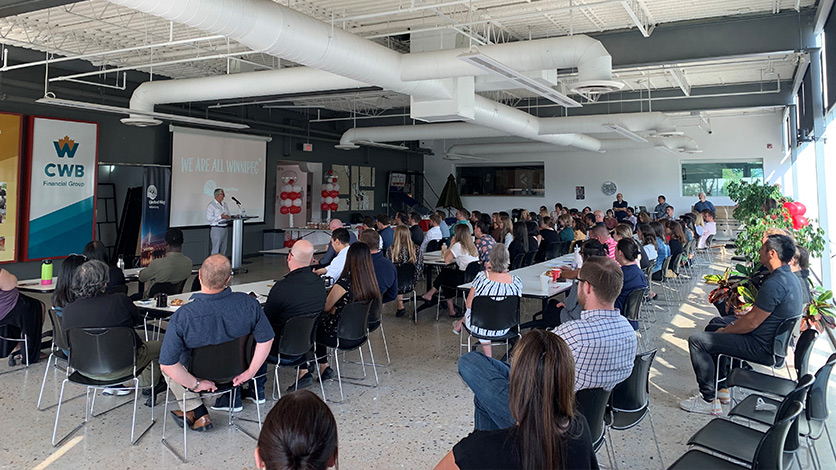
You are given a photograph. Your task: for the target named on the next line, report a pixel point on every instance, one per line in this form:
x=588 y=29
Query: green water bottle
x=46 y=272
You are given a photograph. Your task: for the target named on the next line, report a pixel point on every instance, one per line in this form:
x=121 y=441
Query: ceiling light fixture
x=477 y=59
x=139 y=122
x=624 y=132
x=669 y=150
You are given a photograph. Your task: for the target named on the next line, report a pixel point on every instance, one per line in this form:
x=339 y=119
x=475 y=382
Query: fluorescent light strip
x=117 y=110
x=666 y=149
x=624 y=132
x=497 y=68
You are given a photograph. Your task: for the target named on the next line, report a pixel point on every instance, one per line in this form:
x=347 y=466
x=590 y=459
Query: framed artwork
x=11 y=127
x=580 y=193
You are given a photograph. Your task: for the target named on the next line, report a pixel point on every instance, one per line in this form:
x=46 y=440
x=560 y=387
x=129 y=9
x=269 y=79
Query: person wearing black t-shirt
x=559 y=441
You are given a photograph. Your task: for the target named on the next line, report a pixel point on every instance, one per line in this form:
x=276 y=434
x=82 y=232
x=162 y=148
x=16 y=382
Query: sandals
x=14 y=357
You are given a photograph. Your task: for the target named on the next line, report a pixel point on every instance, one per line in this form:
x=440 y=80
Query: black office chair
x=433 y=245
x=102 y=352
x=553 y=250
x=592 y=404
x=219 y=363
x=195 y=284
x=59 y=345
x=297 y=340
x=517 y=262
x=630 y=400
x=406 y=285
x=528 y=259
x=492 y=314
x=632 y=312
x=169 y=288
x=768 y=453
x=122 y=289
x=816 y=410
x=375 y=323
x=352 y=334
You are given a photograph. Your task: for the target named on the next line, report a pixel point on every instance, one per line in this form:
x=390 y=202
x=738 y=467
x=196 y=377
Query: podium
x=238 y=240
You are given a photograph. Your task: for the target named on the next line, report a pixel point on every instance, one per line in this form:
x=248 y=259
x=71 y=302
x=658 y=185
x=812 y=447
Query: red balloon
x=291 y=195
x=800 y=208
x=324 y=206
x=334 y=194
x=283 y=195
x=290 y=181
x=324 y=193
x=334 y=206
x=330 y=172
x=799 y=221
x=790 y=208
x=295 y=209
x=284 y=210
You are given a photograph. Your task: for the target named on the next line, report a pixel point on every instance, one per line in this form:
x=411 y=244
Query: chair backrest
x=220 y=363
x=490 y=314
x=433 y=245
x=170 y=288
x=633 y=304
x=101 y=351
x=648 y=271
x=121 y=289
x=553 y=250
x=770 y=451
x=517 y=262
x=298 y=335
x=471 y=271
x=195 y=284
x=528 y=260
x=816 y=408
x=632 y=394
x=59 y=336
x=797 y=395
x=592 y=403
x=406 y=277
x=565 y=248
x=666 y=263
x=709 y=240
x=803 y=348
x=374 y=314
x=781 y=341
x=353 y=324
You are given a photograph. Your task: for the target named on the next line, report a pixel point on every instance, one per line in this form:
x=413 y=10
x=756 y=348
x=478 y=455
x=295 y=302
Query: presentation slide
x=202 y=161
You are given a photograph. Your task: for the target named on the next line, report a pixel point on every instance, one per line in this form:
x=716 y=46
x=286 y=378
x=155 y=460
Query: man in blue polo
x=384 y=270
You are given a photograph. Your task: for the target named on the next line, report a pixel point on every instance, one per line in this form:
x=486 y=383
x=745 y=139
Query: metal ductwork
x=683 y=144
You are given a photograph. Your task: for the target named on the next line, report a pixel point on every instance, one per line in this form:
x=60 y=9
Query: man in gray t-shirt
x=747 y=335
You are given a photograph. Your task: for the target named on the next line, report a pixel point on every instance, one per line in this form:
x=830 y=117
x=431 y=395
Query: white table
x=318 y=250
x=261 y=288
x=34 y=285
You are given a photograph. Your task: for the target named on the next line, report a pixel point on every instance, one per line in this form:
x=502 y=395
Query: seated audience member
x=586 y=210
x=384 y=270
x=580 y=232
x=569 y=309
x=600 y=233
x=463 y=252
x=415 y=232
x=462 y=217
x=644 y=218
x=663 y=250
x=522 y=243
x=546 y=430
x=533 y=232
x=357 y=283
x=524 y=215
x=547 y=236
x=484 y=242
x=94 y=308
x=216 y=315
x=558 y=211
x=19 y=315
x=495 y=282
x=620 y=207
x=340 y=240
x=544 y=212
x=331 y=253
x=626 y=255
x=602 y=342
x=63 y=293
x=669 y=213
x=589 y=220
x=401 y=252
x=800 y=266
x=676 y=241
x=445 y=229
x=746 y=335
x=434 y=233
x=96 y=250
x=630 y=218
x=609 y=220
x=387 y=234
x=699 y=223
x=703 y=205
x=660 y=209
x=506 y=234
x=567 y=228
x=599 y=217
x=401 y=219
x=647 y=240
x=474 y=217
x=300 y=432
x=496 y=227
x=300 y=293
x=709 y=228
x=174 y=267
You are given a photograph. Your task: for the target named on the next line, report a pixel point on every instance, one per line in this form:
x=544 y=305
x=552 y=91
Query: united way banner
x=10 y=131
x=60 y=209
x=155 y=183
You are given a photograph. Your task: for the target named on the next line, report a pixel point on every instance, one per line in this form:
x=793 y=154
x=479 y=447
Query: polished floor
x=419 y=411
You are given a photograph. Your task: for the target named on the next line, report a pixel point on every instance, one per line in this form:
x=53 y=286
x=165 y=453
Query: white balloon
x=288 y=202
x=329 y=187
x=297 y=202
x=336 y=187
x=297 y=188
x=287 y=188
x=329 y=200
x=335 y=199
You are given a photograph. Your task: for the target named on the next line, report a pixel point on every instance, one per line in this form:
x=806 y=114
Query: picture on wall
x=580 y=193
x=362 y=188
x=10 y=142
x=59 y=214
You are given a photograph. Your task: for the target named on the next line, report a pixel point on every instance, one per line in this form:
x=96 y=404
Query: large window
x=525 y=180
x=711 y=178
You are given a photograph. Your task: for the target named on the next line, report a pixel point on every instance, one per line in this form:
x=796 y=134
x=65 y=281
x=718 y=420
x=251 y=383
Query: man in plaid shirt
x=603 y=345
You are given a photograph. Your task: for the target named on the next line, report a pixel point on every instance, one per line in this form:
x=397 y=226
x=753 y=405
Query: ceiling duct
x=677 y=145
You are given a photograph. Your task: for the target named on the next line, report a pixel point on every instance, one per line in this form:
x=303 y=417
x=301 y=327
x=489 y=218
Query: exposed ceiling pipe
x=675 y=143
x=268 y=27
x=453 y=130
x=636 y=122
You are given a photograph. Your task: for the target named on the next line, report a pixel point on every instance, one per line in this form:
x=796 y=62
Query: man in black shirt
x=415 y=231
x=301 y=292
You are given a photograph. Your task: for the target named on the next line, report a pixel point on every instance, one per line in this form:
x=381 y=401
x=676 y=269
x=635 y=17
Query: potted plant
x=820 y=313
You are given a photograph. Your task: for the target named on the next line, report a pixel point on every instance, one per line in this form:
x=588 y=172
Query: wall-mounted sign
x=11 y=126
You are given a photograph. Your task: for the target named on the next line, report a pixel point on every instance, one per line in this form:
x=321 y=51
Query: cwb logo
x=65 y=147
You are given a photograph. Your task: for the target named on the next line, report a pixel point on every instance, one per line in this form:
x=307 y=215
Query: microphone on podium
x=236 y=200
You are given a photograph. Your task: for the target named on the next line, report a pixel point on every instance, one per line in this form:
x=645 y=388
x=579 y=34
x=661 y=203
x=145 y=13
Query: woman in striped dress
x=495 y=282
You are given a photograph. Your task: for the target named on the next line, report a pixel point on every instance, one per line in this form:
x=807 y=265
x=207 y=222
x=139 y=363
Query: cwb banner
x=155 y=184
x=62 y=187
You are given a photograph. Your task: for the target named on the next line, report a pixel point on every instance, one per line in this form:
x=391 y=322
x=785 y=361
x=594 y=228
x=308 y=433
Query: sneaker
x=455 y=331
x=327 y=374
x=249 y=394
x=222 y=403
x=401 y=312
x=304 y=382
x=110 y=391
x=724 y=396
x=697 y=404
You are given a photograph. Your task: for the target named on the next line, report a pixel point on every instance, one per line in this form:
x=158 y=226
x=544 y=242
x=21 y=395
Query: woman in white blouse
x=463 y=252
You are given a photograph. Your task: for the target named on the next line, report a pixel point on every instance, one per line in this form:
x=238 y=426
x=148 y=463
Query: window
x=711 y=178
x=524 y=180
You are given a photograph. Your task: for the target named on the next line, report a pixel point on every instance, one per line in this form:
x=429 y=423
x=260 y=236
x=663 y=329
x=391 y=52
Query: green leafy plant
x=748 y=294
x=821 y=311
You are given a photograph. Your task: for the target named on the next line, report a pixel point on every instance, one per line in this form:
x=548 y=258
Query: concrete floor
x=419 y=411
